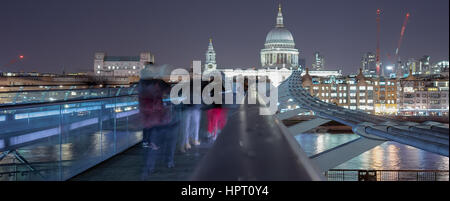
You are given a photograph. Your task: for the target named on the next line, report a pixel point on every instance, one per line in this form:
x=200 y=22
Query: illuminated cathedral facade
x=278 y=57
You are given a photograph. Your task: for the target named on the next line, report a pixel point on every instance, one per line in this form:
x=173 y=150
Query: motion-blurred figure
x=190 y=125
x=160 y=117
x=217 y=119
x=217 y=114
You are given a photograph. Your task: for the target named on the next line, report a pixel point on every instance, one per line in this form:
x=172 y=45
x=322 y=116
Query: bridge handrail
x=260 y=150
x=42 y=96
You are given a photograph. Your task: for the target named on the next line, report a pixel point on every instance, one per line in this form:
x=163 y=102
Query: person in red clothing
x=217 y=115
x=217 y=119
x=160 y=118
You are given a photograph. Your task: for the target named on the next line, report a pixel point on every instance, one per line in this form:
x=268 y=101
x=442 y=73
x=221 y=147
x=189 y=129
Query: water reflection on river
x=388 y=156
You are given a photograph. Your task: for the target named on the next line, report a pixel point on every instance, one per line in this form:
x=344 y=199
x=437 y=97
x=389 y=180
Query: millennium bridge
x=63 y=134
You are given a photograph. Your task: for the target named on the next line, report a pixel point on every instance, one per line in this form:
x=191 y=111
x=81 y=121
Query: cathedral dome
x=279 y=35
x=279 y=49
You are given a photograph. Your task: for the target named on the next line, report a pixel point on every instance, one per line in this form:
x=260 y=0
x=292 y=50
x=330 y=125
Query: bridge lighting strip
x=66 y=111
x=126 y=114
x=54 y=131
x=34 y=136
x=83 y=123
x=121 y=104
x=53 y=112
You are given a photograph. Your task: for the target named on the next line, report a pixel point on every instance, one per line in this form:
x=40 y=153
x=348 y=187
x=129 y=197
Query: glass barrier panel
x=81 y=137
x=134 y=121
x=29 y=144
x=108 y=128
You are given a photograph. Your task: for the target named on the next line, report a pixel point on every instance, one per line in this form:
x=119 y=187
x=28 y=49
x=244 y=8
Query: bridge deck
x=129 y=166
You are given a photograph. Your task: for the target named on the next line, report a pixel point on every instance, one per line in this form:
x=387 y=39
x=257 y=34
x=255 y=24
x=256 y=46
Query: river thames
x=387 y=156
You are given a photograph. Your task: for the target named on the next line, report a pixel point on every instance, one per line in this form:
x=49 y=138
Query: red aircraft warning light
x=21 y=57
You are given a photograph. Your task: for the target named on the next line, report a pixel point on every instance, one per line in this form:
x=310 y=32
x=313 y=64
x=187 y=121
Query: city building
x=278 y=57
x=324 y=73
x=402 y=69
x=302 y=63
x=440 y=67
x=105 y=65
x=424 y=65
x=413 y=65
x=318 y=62
x=423 y=96
x=279 y=49
x=372 y=95
x=369 y=64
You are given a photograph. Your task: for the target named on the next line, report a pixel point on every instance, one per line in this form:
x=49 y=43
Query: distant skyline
x=53 y=34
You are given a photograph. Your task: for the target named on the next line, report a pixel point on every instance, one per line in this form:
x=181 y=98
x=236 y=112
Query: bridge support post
x=289 y=114
x=340 y=154
x=307 y=125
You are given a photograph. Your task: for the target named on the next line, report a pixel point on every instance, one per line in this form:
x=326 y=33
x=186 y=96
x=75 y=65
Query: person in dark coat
x=160 y=118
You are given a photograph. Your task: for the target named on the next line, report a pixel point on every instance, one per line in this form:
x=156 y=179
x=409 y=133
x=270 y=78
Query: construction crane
x=378 y=42
x=402 y=33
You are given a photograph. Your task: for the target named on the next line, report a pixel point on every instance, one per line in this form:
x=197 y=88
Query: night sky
x=56 y=33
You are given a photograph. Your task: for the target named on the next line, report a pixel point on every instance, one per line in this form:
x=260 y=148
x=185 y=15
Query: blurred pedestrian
x=159 y=116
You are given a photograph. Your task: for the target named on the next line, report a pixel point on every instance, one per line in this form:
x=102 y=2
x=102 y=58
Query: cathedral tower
x=210 y=62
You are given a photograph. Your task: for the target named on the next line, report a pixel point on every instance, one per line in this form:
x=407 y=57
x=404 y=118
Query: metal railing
x=256 y=147
x=57 y=140
x=386 y=175
x=45 y=96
